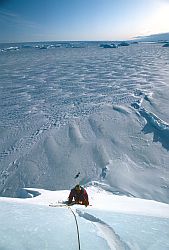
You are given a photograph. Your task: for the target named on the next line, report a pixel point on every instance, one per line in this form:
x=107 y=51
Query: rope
x=78 y=234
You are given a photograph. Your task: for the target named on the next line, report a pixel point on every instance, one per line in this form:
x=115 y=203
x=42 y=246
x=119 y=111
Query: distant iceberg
x=134 y=42
x=27 y=46
x=166 y=45
x=123 y=44
x=13 y=48
x=108 y=46
x=10 y=49
x=43 y=46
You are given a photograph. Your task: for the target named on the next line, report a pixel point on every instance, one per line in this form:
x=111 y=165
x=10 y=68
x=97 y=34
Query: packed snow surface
x=110 y=222
x=77 y=107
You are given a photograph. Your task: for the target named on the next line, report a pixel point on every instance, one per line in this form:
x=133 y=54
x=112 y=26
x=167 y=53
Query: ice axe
x=77 y=175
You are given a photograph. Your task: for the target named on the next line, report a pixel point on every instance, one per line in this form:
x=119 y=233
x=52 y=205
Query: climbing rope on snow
x=77 y=227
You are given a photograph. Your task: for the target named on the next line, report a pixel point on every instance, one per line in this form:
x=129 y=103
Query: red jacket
x=79 y=197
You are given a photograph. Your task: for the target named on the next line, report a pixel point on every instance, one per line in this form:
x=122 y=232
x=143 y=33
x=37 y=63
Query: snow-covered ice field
x=67 y=109
x=73 y=107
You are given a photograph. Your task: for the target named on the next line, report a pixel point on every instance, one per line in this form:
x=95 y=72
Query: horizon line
x=120 y=40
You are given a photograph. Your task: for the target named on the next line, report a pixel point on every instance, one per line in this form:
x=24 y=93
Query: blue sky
x=45 y=20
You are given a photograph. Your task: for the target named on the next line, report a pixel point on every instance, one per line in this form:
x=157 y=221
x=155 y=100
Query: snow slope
x=112 y=222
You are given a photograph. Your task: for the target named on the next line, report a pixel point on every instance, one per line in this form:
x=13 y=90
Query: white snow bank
x=99 y=199
x=111 y=222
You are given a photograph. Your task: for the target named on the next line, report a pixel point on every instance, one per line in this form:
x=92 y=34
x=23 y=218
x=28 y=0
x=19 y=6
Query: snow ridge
x=113 y=240
x=154 y=124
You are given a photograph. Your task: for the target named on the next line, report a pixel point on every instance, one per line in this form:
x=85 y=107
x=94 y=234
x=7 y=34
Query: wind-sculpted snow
x=154 y=124
x=157 y=126
x=67 y=108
